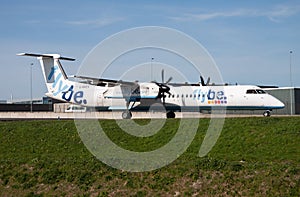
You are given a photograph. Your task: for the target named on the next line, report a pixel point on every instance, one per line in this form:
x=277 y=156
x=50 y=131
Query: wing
x=103 y=82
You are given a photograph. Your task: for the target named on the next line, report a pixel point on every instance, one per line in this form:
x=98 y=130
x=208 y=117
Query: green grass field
x=252 y=157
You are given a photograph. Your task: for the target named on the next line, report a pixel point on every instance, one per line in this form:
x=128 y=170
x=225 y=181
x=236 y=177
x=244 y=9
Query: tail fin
x=54 y=74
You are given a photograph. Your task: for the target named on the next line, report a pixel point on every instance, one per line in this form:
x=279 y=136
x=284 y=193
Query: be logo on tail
x=60 y=86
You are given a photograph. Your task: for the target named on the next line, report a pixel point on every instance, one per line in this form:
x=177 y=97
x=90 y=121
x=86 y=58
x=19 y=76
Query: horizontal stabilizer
x=54 y=56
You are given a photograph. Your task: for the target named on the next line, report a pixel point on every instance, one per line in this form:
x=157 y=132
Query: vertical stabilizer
x=55 y=77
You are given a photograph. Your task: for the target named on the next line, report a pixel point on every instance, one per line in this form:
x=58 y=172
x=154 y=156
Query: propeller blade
x=208 y=80
x=168 y=81
x=163 y=87
x=202 y=81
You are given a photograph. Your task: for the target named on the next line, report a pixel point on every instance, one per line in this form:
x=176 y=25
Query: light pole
x=291 y=81
x=152 y=68
x=31 y=65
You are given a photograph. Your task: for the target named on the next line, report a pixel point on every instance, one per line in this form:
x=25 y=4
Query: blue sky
x=249 y=40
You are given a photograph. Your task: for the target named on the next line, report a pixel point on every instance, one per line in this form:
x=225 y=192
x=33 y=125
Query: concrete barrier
x=112 y=115
x=86 y=115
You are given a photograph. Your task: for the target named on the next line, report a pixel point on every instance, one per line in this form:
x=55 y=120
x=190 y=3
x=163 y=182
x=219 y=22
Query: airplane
x=109 y=94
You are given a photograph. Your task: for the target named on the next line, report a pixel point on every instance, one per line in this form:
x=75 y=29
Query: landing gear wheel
x=170 y=114
x=267 y=113
x=126 y=115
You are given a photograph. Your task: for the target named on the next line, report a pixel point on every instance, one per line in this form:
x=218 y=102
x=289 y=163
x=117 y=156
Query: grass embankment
x=253 y=156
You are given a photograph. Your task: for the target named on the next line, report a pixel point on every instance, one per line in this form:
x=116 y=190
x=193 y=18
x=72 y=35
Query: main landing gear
x=267 y=113
x=170 y=114
x=127 y=115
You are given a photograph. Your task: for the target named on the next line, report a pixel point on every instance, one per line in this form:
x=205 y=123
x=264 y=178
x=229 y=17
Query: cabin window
x=251 y=92
x=260 y=91
x=177 y=95
x=186 y=95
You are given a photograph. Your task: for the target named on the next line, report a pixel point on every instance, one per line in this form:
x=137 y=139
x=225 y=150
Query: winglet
x=54 y=56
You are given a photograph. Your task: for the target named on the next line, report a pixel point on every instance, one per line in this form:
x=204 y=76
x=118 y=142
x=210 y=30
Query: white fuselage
x=204 y=97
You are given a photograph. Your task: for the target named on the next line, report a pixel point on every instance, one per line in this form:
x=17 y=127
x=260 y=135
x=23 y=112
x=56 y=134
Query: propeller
x=203 y=82
x=163 y=87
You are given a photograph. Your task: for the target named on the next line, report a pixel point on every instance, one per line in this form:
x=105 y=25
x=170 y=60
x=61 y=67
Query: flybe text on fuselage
x=210 y=96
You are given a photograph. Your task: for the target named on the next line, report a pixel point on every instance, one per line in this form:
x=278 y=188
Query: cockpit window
x=257 y=91
x=260 y=91
x=251 y=92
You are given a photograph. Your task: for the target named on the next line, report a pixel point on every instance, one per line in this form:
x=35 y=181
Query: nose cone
x=281 y=105
x=278 y=104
